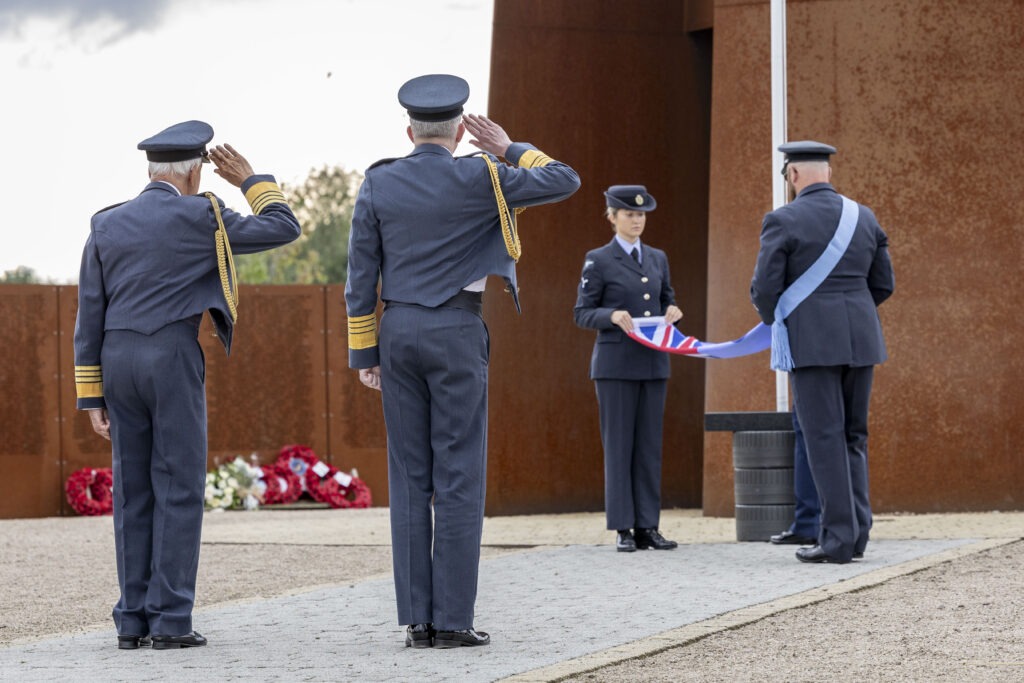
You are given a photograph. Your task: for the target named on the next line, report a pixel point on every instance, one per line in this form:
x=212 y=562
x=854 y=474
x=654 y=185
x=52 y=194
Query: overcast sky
x=292 y=85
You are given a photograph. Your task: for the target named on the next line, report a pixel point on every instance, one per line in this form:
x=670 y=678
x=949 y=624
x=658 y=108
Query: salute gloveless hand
x=231 y=166
x=487 y=135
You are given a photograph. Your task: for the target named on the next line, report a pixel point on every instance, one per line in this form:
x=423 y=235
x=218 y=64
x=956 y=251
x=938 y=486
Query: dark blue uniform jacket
x=613 y=281
x=152 y=261
x=838 y=323
x=427 y=225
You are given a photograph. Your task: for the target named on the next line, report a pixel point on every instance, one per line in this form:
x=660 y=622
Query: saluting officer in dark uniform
x=622 y=280
x=835 y=336
x=150 y=268
x=431 y=227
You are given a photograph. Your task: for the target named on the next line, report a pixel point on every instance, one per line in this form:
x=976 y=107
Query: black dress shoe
x=624 y=541
x=787 y=537
x=193 y=639
x=858 y=556
x=815 y=554
x=132 y=642
x=464 y=638
x=419 y=635
x=650 y=538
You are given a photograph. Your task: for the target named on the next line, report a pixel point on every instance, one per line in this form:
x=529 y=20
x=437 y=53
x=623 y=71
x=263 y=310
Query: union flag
x=655 y=333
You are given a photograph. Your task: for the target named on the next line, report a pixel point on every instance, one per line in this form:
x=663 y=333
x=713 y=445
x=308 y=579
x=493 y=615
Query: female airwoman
x=623 y=280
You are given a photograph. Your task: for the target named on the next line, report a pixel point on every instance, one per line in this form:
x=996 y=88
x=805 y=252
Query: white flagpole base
x=781 y=391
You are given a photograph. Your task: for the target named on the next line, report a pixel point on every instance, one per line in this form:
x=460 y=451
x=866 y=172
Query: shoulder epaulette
x=480 y=154
x=206 y=196
x=108 y=208
x=381 y=162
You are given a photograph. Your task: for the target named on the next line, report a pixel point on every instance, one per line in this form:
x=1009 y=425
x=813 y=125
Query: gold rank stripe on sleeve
x=362 y=331
x=89 y=381
x=263 y=194
x=534 y=157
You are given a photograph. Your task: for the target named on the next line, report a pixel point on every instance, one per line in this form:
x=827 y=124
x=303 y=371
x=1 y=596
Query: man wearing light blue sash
x=822 y=270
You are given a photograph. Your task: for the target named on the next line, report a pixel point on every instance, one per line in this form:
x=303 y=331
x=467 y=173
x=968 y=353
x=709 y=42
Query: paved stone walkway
x=543 y=608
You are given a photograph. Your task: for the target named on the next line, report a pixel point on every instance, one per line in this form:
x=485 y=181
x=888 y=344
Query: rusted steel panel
x=620 y=91
x=357 y=435
x=29 y=429
x=80 y=445
x=739 y=197
x=700 y=14
x=920 y=98
x=272 y=391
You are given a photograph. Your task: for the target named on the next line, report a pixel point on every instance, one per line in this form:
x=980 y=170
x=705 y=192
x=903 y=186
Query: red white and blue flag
x=655 y=333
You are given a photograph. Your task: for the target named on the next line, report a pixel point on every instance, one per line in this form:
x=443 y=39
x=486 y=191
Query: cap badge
x=639 y=200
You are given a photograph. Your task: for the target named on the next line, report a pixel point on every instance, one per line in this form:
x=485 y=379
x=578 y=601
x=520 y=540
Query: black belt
x=465 y=300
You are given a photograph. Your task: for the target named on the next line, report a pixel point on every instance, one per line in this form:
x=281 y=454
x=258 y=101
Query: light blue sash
x=809 y=281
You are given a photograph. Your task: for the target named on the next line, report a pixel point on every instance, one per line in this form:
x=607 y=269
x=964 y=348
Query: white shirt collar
x=627 y=247
x=164 y=182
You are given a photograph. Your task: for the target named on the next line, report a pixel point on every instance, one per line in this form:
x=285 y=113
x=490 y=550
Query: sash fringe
x=782 y=359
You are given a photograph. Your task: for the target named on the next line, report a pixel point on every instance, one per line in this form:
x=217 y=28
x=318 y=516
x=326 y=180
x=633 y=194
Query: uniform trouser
x=832 y=403
x=808 y=509
x=155 y=396
x=631 y=414
x=434 y=390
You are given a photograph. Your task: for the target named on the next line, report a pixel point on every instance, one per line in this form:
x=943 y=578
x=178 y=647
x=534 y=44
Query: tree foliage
x=323 y=204
x=22 y=275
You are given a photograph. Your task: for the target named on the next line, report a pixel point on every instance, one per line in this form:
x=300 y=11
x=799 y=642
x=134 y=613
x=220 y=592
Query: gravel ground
x=960 y=620
x=59 y=574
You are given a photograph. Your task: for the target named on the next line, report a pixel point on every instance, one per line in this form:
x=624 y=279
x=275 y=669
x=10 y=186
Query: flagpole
x=779 y=134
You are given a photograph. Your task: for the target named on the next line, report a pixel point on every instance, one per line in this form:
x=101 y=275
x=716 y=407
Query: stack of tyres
x=763 y=467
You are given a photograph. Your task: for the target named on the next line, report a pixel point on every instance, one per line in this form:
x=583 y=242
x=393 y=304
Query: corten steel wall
x=80 y=446
x=286 y=382
x=272 y=390
x=922 y=100
x=619 y=90
x=30 y=427
x=356 y=431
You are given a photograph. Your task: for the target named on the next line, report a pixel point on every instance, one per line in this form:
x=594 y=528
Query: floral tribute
x=278 y=485
x=232 y=486
x=90 y=491
x=325 y=483
x=297 y=472
x=297 y=459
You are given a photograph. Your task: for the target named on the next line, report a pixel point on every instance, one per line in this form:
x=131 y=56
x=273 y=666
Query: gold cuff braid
x=362 y=331
x=532 y=158
x=263 y=194
x=89 y=381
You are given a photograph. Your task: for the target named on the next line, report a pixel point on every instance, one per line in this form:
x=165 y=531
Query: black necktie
x=635 y=254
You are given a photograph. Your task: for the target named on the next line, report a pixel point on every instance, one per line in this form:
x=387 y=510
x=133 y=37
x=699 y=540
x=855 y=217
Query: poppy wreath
x=298 y=459
x=90 y=491
x=281 y=485
x=360 y=494
x=323 y=482
x=339 y=490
